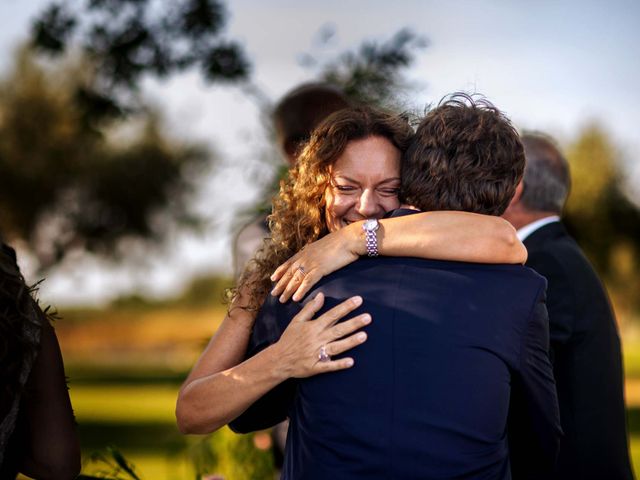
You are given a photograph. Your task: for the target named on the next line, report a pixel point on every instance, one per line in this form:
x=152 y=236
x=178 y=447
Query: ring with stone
x=323 y=356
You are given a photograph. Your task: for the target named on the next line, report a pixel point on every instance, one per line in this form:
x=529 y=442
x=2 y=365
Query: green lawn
x=139 y=421
x=125 y=403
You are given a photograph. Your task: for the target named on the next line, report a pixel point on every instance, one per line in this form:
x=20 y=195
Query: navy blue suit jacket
x=429 y=393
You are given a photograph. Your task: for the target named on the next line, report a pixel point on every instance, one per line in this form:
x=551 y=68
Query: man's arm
x=534 y=424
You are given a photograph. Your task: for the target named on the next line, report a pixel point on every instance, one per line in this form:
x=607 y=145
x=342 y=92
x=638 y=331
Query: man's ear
x=518 y=195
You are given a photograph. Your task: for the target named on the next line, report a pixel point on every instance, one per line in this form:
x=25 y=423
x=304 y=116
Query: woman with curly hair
x=348 y=172
x=37 y=428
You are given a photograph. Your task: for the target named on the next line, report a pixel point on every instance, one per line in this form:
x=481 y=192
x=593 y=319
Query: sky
x=550 y=65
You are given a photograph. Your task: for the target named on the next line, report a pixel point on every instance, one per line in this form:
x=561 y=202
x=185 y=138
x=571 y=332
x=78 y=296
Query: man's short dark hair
x=547 y=179
x=465 y=156
x=302 y=109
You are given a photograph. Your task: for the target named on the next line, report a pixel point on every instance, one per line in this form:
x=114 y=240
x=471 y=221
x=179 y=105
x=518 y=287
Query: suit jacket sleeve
x=534 y=427
x=273 y=407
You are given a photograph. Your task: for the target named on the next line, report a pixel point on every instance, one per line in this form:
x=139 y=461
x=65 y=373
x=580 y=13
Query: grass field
x=140 y=421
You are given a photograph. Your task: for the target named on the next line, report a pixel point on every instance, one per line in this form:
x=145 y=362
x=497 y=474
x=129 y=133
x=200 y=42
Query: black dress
x=37 y=429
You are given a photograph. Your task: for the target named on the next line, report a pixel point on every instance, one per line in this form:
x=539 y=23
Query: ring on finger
x=323 y=356
x=301 y=270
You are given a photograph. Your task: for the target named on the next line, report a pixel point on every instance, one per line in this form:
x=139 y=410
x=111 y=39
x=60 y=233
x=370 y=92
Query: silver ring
x=323 y=356
x=301 y=270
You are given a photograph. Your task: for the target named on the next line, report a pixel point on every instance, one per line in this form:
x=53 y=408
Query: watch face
x=370 y=225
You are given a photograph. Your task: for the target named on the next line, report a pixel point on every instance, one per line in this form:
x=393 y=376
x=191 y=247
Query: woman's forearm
x=205 y=404
x=458 y=236
x=209 y=379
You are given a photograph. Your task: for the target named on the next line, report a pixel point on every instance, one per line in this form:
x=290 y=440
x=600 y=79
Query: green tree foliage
x=127 y=39
x=375 y=72
x=600 y=214
x=69 y=183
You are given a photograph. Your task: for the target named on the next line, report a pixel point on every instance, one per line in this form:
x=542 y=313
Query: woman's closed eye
x=353 y=190
x=389 y=192
x=347 y=189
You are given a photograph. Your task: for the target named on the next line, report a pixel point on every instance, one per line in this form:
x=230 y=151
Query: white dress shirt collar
x=527 y=230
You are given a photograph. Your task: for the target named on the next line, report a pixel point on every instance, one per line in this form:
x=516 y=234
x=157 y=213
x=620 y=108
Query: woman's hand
x=302 y=345
x=330 y=253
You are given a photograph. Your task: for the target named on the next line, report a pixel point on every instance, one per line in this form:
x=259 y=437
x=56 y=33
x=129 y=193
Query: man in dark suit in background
x=429 y=393
x=585 y=347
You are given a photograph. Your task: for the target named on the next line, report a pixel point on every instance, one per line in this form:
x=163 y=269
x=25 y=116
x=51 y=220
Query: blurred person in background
x=585 y=346
x=349 y=171
x=295 y=116
x=37 y=429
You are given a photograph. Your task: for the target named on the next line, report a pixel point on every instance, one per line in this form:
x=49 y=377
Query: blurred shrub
x=602 y=216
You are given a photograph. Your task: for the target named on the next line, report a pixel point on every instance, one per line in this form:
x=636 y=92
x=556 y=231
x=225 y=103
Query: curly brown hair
x=297 y=218
x=465 y=156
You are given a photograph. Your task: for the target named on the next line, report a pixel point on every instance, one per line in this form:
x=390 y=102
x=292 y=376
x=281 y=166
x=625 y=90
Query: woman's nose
x=368 y=205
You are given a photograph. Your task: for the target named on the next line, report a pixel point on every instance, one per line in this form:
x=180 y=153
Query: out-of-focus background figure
x=295 y=116
x=134 y=134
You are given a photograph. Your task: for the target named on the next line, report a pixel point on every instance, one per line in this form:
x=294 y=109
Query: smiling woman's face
x=365 y=182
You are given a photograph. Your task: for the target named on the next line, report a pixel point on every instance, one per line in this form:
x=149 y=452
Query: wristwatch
x=370 y=227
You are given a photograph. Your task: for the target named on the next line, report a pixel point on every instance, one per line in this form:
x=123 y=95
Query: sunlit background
x=135 y=313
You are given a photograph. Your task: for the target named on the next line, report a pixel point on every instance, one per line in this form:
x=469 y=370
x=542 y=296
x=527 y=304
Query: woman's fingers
x=341 y=346
x=343 y=329
x=338 y=347
x=334 y=365
x=282 y=269
x=284 y=281
x=330 y=317
x=310 y=309
x=309 y=280
x=294 y=281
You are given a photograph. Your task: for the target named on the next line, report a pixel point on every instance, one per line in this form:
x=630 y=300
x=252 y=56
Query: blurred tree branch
x=69 y=184
x=84 y=161
x=125 y=40
x=374 y=73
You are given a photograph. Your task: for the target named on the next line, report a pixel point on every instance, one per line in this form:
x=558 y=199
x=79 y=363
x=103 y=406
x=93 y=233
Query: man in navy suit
x=429 y=394
x=585 y=345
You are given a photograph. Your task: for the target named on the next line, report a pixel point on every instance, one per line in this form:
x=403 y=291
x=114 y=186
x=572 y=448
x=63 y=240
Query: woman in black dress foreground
x=37 y=429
